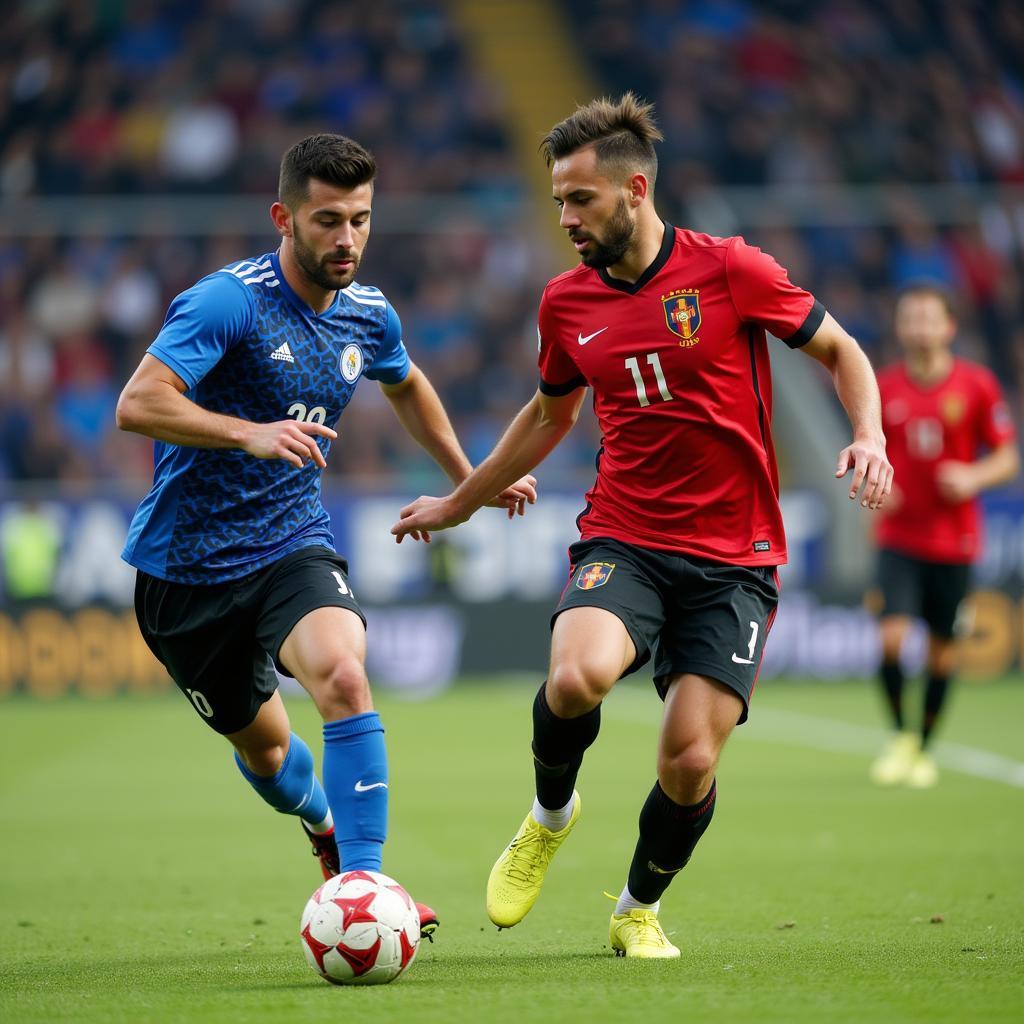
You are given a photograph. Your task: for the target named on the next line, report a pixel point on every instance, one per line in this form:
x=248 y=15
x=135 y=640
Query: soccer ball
x=360 y=928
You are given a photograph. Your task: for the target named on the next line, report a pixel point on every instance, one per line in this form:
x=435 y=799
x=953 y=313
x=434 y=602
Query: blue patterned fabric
x=246 y=345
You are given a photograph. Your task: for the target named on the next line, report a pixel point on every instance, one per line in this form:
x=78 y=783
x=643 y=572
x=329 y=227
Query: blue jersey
x=247 y=346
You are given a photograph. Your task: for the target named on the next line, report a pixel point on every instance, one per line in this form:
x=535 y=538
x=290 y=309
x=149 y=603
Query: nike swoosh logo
x=742 y=661
x=360 y=788
x=651 y=866
x=583 y=341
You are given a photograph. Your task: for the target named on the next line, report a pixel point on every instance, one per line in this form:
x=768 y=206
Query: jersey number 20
x=315 y=415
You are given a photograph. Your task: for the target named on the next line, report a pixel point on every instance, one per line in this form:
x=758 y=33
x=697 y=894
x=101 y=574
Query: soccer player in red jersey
x=938 y=413
x=682 y=534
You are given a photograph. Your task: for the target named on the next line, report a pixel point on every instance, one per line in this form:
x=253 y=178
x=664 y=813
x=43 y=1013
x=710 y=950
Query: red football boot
x=325 y=849
x=428 y=921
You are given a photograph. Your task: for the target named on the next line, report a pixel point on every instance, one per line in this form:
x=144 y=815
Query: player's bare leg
x=894 y=763
x=263 y=744
x=279 y=766
x=700 y=713
x=326 y=653
x=590 y=649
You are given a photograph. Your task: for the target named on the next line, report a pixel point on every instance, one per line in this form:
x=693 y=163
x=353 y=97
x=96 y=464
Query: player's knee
x=686 y=773
x=574 y=688
x=264 y=761
x=891 y=633
x=341 y=688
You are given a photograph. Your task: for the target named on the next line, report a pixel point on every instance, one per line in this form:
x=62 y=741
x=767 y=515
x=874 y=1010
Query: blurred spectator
x=802 y=93
x=160 y=97
x=29 y=545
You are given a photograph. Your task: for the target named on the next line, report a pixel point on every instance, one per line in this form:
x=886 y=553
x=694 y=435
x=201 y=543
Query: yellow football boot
x=639 y=934
x=924 y=772
x=894 y=763
x=515 y=880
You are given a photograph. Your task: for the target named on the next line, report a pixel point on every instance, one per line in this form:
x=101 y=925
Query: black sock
x=891 y=674
x=934 y=697
x=558 y=748
x=668 y=834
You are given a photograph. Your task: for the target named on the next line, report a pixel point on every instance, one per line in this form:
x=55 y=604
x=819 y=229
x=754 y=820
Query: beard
x=318 y=270
x=617 y=239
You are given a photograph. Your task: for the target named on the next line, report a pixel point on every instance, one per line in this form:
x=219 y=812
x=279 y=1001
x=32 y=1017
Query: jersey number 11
x=633 y=365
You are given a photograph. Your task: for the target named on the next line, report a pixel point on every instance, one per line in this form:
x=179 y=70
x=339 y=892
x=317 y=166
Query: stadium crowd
x=174 y=98
x=795 y=94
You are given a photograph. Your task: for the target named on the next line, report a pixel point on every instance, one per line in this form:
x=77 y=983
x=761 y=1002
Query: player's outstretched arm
x=857 y=389
x=536 y=430
x=154 y=403
x=962 y=481
x=419 y=410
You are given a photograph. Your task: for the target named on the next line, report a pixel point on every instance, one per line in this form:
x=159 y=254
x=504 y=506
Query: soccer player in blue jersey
x=237 y=572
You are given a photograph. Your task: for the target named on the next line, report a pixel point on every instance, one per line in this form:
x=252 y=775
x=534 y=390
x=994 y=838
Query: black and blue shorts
x=221 y=642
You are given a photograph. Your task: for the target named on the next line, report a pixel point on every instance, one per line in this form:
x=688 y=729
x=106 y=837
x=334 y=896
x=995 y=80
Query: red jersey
x=926 y=425
x=679 y=366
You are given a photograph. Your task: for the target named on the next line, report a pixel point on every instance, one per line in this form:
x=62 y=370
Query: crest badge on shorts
x=594 y=574
x=351 y=363
x=682 y=314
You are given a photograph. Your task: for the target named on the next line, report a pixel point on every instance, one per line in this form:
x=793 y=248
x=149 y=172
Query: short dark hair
x=932 y=288
x=334 y=159
x=622 y=131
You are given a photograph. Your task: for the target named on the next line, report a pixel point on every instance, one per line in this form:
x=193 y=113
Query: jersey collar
x=659 y=261
x=299 y=303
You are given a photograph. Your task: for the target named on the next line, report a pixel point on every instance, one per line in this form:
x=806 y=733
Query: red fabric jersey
x=679 y=366
x=924 y=427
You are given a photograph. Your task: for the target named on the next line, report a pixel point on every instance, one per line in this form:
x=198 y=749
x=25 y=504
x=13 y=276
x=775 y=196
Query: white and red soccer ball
x=360 y=928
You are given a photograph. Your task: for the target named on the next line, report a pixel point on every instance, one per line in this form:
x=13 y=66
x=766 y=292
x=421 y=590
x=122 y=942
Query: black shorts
x=690 y=614
x=933 y=591
x=220 y=643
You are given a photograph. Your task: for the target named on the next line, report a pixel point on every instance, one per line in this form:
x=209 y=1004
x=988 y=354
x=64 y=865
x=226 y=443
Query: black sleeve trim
x=808 y=328
x=558 y=390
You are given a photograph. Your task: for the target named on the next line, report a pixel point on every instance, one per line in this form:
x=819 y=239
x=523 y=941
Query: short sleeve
x=763 y=294
x=995 y=421
x=202 y=323
x=391 y=363
x=559 y=375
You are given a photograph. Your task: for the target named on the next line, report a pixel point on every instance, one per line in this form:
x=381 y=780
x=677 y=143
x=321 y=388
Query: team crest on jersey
x=952 y=408
x=351 y=363
x=594 y=574
x=682 y=314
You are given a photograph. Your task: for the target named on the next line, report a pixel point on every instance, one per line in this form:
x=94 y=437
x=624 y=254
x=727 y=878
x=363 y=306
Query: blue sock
x=295 y=789
x=356 y=780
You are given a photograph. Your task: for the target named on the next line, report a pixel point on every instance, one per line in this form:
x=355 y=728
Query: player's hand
x=426 y=514
x=871 y=468
x=516 y=497
x=956 y=481
x=291 y=440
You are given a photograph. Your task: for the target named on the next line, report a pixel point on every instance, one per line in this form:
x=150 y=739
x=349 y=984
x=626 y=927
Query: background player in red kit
x=938 y=412
x=681 y=535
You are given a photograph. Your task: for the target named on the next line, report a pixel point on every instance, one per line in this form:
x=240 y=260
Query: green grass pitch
x=141 y=881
